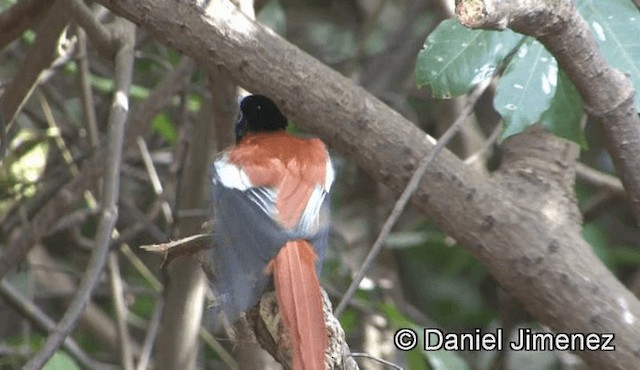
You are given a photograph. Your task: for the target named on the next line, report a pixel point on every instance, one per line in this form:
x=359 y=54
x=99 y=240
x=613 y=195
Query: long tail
x=300 y=302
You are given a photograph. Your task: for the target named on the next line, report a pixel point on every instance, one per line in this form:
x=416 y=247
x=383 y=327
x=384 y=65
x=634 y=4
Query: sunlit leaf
x=61 y=361
x=526 y=88
x=454 y=58
x=26 y=168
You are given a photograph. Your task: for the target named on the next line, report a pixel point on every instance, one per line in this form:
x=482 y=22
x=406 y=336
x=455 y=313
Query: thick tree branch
x=608 y=94
x=534 y=251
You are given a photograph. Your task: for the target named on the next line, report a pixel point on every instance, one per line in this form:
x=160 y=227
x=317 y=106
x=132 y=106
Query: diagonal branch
x=43 y=322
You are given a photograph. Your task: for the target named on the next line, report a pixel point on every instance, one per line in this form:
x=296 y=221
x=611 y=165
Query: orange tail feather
x=300 y=302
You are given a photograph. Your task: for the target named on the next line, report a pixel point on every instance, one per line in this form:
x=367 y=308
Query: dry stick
x=486 y=145
x=117 y=291
x=109 y=212
x=43 y=322
x=599 y=179
x=86 y=97
x=408 y=192
x=155 y=179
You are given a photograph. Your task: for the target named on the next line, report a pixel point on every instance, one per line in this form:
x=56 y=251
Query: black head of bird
x=258 y=114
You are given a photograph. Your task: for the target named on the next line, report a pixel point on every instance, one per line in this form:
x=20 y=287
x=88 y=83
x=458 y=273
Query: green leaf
x=527 y=87
x=61 y=361
x=597 y=238
x=616 y=25
x=455 y=58
x=564 y=116
x=163 y=125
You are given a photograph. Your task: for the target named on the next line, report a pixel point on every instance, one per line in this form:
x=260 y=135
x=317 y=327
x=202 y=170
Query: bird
x=271 y=210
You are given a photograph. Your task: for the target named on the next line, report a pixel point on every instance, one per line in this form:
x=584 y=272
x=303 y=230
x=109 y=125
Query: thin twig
x=152 y=332
x=119 y=110
x=599 y=179
x=385 y=362
x=142 y=269
x=44 y=323
x=86 y=96
x=57 y=138
x=155 y=180
x=206 y=337
x=117 y=292
x=408 y=192
x=486 y=145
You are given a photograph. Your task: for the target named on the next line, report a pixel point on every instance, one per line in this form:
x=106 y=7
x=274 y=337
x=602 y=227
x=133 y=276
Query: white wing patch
x=233 y=177
x=329 y=176
x=230 y=175
x=310 y=219
x=265 y=198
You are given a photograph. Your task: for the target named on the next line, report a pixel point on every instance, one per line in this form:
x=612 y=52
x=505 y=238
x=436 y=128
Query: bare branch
x=152 y=332
x=60 y=197
x=117 y=118
x=88 y=102
x=175 y=82
x=599 y=179
x=117 y=293
x=94 y=320
x=44 y=323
